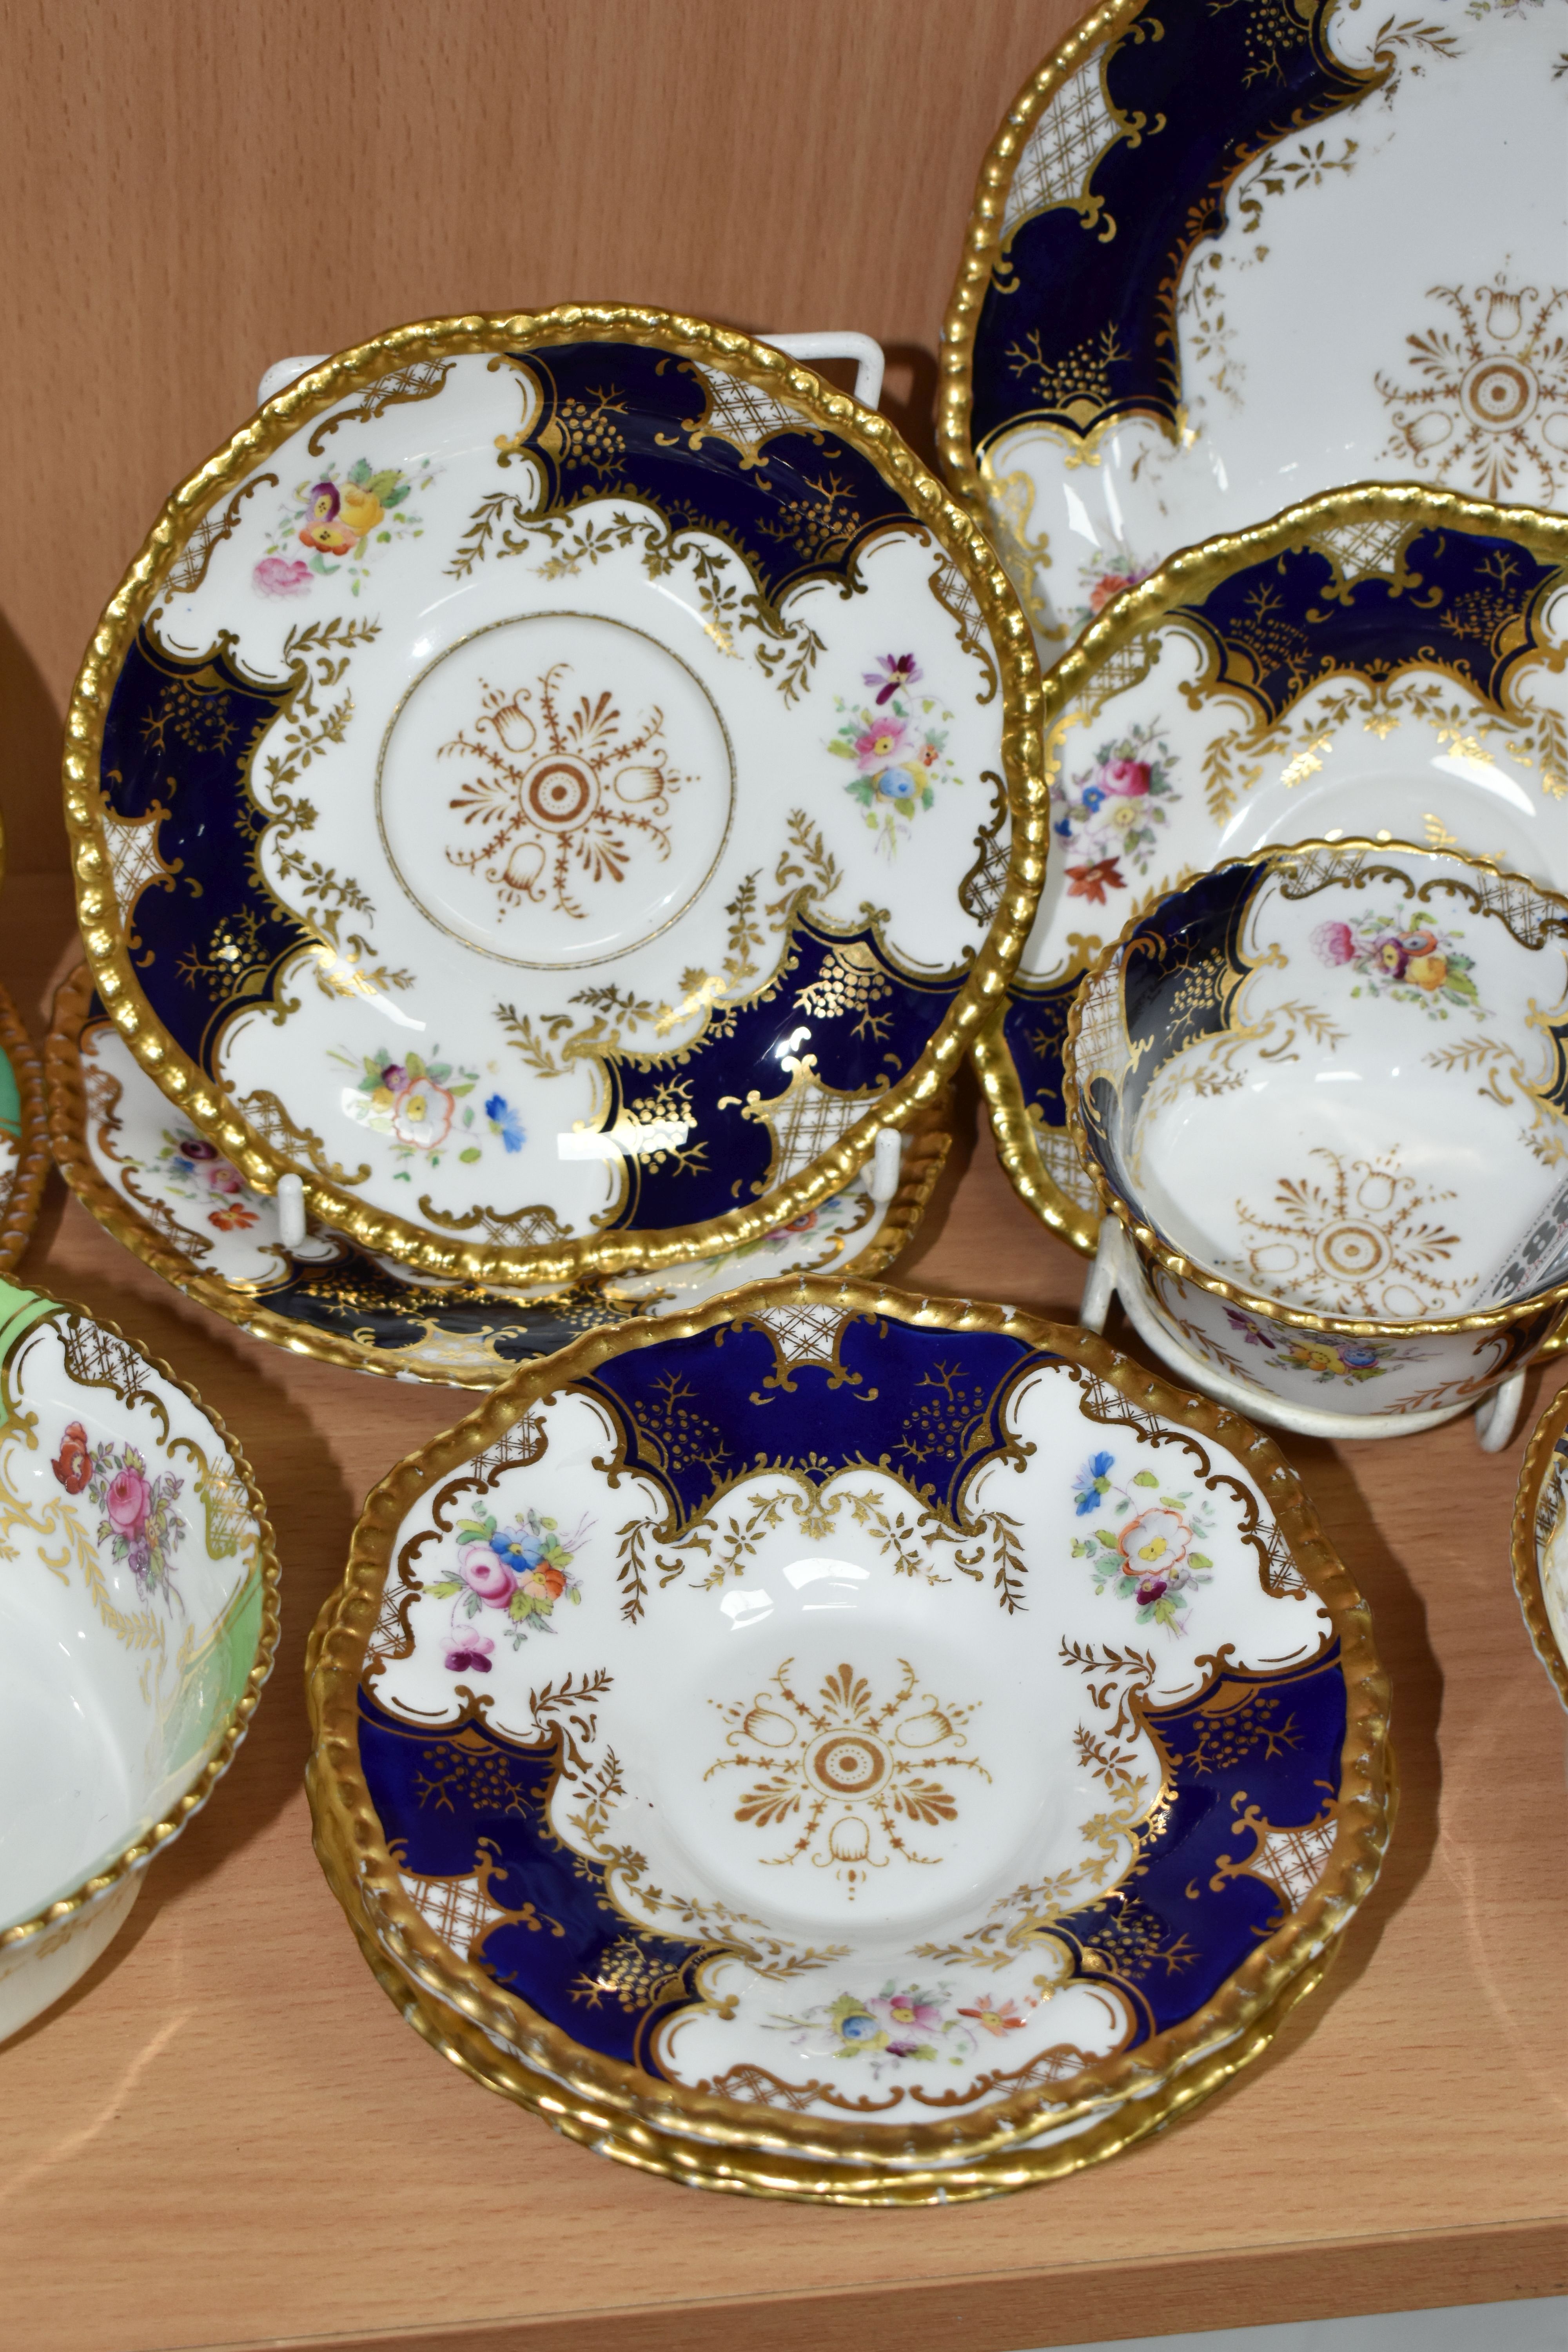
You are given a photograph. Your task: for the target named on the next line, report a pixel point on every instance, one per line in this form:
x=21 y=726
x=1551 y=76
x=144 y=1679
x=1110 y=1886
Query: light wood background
x=225 y=2137
x=190 y=189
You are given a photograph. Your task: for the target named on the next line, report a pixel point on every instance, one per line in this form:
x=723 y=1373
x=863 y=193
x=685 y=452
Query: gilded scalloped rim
x=346 y=1824
x=311 y=394
x=741 y=2172
x=1149 y=1242
x=1185 y=576
x=21 y=1210
x=927 y=1142
x=982 y=240
x=141 y=1850
x=1526 y=1558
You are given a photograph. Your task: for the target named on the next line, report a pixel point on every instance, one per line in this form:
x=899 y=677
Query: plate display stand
x=1116 y=1274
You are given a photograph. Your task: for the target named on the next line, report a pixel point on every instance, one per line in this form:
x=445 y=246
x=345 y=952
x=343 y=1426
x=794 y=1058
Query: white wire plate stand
x=1116 y=1274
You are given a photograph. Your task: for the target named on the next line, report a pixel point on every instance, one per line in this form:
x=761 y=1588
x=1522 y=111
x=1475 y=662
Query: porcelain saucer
x=561 y=785
x=1380 y=662
x=680 y=1724
x=137 y=1624
x=1224 y=257
x=165 y=1193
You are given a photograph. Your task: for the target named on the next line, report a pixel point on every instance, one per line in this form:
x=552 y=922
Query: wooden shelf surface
x=228 y=2137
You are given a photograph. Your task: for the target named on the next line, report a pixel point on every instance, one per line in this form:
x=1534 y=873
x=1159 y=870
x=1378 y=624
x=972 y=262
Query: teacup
x=1324 y=1089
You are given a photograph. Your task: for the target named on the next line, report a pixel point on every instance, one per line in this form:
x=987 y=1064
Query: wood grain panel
x=192 y=188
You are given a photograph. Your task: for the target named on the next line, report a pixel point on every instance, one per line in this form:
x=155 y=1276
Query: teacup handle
x=826 y=345
x=869 y=363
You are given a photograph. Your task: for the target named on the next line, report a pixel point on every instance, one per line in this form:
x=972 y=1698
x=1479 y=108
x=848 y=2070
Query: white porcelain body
x=131 y=1614
x=1341 y=1095
x=754 y=1724
x=158 y=1163
x=574 y=776
x=35 y=1975
x=1198 y=734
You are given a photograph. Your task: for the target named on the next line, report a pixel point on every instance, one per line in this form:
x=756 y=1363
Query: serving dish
x=1541 y=1542
x=605 y=761
x=1383 y=662
x=167 y=1194
x=1323 y=1089
x=678 y=1725
x=1181 y=211
x=139 y=1611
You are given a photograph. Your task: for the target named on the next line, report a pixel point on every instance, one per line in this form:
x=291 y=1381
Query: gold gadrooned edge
x=345 y=1816
x=1186 y=575
x=746 y=2172
x=927 y=1142
x=1014 y=1133
x=21 y=1209
x=1150 y=1244
x=1526 y=1556
x=141 y=1850
x=767 y=369
x=982 y=243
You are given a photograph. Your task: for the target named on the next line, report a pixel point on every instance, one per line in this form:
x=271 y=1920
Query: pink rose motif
x=1335 y=942
x=222 y=1178
x=1127 y=778
x=126 y=1502
x=422 y=1113
x=487 y=1576
x=277 y=576
x=881 y=742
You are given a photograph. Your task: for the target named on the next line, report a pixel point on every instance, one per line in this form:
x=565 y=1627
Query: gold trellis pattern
x=1070 y=134
x=804 y=1121
x=1291 y=1861
x=462 y=1911
x=134 y=860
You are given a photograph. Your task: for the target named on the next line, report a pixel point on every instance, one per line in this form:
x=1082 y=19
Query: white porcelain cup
x=1325 y=1091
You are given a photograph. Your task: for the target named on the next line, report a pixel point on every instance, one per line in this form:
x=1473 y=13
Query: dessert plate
x=680 y=1722
x=167 y=1194
x=560 y=785
x=1541 y=1542
x=23 y=1139
x=1173 y=226
x=1381 y=662
x=138 y=1622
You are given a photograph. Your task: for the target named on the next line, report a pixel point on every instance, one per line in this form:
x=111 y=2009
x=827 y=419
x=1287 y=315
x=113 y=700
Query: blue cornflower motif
x=859 y=2027
x=517 y=1549
x=507 y=1122
x=1091 y=1483
x=1064 y=827
x=1093 y=798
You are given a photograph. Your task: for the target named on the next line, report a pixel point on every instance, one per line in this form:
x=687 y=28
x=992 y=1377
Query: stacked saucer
x=555 y=796
x=841 y=1745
